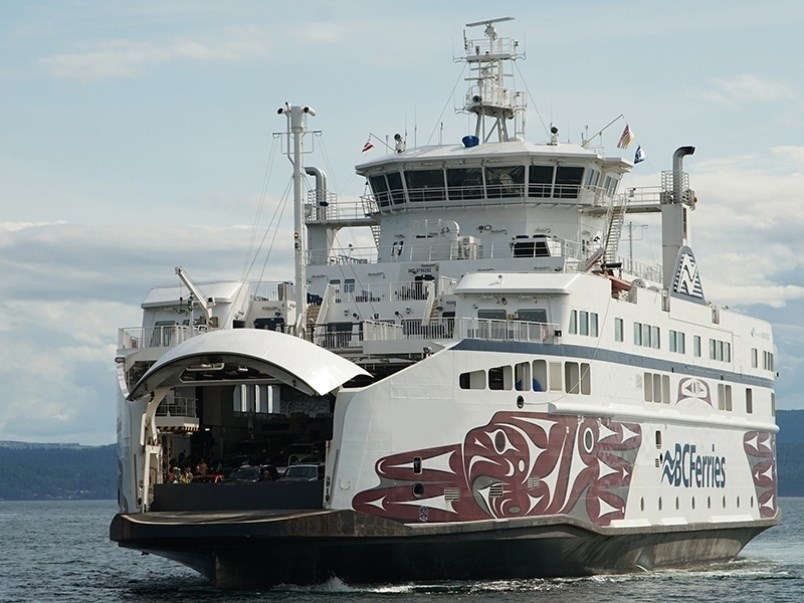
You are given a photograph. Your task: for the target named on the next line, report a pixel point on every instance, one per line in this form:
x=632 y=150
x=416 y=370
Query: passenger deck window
x=532 y=315
x=522 y=381
x=472 y=380
x=539 y=376
x=500 y=378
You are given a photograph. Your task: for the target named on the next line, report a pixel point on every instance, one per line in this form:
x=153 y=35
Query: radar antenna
x=488 y=98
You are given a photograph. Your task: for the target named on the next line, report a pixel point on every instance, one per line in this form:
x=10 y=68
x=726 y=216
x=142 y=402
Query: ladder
x=615 y=217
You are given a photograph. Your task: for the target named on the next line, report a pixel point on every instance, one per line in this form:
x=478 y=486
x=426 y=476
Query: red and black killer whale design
x=760 y=449
x=518 y=465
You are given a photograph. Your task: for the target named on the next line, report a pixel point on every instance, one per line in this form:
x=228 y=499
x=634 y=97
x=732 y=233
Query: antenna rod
x=606 y=127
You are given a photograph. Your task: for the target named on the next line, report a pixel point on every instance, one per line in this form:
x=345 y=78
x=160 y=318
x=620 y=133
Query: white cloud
x=790 y=152
x=324 y=33
x=747 y=88
x=68 y=288
x=128 y=58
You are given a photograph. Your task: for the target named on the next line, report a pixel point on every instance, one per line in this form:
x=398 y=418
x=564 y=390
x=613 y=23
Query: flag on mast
x=639 y=155
x=368 y=146
x=625 y=138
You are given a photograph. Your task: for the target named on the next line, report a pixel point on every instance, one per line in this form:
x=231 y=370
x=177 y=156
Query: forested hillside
x=789 y=449
x=48 y=471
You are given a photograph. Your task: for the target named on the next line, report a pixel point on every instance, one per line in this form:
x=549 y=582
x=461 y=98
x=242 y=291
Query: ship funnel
x=678 y=171
x=675 y=234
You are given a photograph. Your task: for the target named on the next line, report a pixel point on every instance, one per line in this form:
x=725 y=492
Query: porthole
x=520 y=402
x=418 y=490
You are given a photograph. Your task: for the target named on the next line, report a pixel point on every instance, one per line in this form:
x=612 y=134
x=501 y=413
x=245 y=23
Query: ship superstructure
x=490 y=389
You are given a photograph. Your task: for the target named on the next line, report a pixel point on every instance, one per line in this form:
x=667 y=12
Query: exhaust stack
x=675 y=233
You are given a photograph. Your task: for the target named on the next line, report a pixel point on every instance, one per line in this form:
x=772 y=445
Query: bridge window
x=610 y=184
x=540 y=181
x=465 y=183
x=395 y=187
x=426 y=185
x=505 y=181
x=618 y=329
x=592 y=178
x=568 y=181
x=380 y=188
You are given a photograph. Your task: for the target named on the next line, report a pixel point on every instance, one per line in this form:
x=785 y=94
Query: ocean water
x=60 y=551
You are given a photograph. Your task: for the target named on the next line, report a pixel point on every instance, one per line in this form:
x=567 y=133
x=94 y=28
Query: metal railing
x=481 y=195
x=382 y=292
x=450 y=250
x=178 y=407
x=460 y=328
x=156 y=337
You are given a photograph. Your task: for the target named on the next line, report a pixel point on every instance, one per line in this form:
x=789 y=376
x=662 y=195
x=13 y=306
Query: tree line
x=49 y=472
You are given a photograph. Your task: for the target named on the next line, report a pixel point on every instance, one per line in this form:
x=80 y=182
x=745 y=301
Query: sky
x=138 y=136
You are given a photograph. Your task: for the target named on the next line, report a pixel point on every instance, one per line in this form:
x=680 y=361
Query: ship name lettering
x=685 y=467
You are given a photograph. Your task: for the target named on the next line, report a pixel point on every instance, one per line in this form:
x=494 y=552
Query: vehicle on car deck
x=308 y=472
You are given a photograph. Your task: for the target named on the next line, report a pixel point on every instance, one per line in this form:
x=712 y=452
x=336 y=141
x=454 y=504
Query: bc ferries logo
x=693 y=389
x=687 y=281
x=685 y=467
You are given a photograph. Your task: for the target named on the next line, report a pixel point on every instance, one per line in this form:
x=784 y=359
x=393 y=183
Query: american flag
x=625 y=138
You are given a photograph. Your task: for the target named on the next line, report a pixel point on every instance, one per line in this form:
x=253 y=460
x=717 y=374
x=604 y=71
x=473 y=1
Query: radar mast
x=488 y=98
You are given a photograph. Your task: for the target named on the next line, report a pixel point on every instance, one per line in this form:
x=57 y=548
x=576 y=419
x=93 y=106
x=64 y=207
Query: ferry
x=490 y=390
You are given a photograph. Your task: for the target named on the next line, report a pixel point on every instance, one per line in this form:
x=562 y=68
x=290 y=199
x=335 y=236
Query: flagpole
x=382 y=142
x=607 y=126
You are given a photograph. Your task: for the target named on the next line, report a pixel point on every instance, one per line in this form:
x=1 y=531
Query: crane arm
x=206 y=303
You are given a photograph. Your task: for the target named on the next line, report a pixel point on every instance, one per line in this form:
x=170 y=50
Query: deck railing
x=177 y=407
x=460 y=328
x=156 y=337
x=571 y=251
